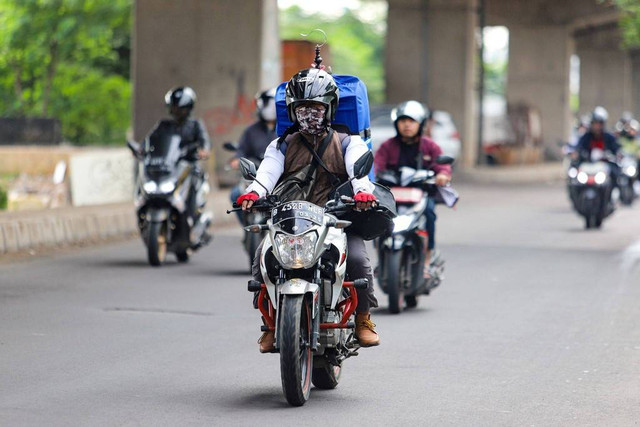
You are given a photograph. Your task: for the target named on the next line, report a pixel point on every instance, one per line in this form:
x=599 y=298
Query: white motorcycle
x=305 y=297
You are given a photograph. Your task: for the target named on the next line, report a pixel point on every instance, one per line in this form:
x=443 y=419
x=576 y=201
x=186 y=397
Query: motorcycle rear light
x=406 y=195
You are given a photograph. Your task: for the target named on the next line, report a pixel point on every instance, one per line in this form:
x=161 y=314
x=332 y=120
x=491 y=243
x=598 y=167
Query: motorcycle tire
x=394 y=289
x=626 y=196
x=157 y=244
x=326 y=376
x=411 y=301
x=183 y=256
x=296 y=361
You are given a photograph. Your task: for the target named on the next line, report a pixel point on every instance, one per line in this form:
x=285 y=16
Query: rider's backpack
x=353 y=109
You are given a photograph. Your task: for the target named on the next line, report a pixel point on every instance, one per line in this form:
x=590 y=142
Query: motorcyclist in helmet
x=412 y=149
x=312 y=100
x=627 y=130
x=597 y=142
x=257 y=137
x=180 y=102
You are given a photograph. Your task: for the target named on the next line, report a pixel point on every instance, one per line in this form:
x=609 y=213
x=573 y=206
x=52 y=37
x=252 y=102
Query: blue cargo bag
x=353 y=109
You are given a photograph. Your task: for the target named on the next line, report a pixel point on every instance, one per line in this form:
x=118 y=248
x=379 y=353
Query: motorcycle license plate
x=406 y=195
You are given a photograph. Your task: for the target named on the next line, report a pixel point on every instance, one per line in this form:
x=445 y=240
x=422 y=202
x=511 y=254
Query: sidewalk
x=515 y=175
x=26 y=230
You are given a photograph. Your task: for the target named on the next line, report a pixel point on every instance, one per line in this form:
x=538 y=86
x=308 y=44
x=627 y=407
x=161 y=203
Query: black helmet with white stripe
x=312 y=85
x=181 y=97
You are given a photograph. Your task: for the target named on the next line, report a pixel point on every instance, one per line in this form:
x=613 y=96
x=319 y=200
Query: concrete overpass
x=228 y=50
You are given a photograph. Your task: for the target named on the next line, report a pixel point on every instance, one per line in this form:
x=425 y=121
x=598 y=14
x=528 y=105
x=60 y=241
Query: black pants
x=358 y=267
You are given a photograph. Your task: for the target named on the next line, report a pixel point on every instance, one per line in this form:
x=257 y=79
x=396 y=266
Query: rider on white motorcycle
x=312 y=100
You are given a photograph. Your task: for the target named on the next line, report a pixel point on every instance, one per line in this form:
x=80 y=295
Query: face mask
x=268 y=112
x=311 y=119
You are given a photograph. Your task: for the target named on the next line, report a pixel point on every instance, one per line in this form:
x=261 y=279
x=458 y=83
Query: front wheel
x=157 y=244
x=395 y=289
x=295 y=349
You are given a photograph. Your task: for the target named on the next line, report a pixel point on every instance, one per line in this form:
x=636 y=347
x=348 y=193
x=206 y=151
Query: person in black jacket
x=256 y=138
x=595 y=144
x=180 y=102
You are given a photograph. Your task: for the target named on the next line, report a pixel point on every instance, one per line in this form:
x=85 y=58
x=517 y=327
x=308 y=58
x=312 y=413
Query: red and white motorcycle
x=304 y=296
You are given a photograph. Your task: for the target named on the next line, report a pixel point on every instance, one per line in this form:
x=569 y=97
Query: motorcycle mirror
x=229 y=146
x=363 y=165
x=248 y=169
x=445 y=160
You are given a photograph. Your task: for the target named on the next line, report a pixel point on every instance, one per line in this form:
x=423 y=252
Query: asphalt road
x=537 y=323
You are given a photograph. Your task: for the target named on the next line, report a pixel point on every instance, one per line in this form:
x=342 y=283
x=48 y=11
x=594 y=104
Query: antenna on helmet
x=317 y=61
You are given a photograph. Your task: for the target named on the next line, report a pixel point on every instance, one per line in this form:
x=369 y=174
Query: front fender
x=302 y=287
x=157 y=215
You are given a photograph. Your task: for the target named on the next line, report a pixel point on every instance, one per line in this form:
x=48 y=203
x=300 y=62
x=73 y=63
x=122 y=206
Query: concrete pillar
x=538 y=76
x=606 y=72
x=606 y=79
x=635 y=82
x=226 y=50
x=430 y=56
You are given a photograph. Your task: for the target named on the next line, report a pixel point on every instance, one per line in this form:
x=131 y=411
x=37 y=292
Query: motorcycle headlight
x=573 y=172
x=150 y=187
x=401 y=223
x=582 y=177
x=167 y=186
x=630 y=170
x=600 y=177
x=296 y=251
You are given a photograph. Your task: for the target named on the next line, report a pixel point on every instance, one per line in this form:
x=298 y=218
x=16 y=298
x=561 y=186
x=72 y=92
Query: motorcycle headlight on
x=296 y=251
x=573 y=172
x=167 y=186
x=600 y=178
x=630 y=171
x=582 y=177
x=150 y=187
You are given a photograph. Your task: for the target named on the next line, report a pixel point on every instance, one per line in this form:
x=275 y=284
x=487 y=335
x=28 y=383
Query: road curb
x=31 y=230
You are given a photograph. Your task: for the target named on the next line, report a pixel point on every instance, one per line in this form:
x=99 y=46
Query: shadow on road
x=383 y=310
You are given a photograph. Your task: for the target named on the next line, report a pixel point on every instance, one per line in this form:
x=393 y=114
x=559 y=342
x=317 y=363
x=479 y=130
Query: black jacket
x=190 y=131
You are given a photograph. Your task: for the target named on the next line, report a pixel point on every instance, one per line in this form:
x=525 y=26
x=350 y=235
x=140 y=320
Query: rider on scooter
x=312 y=100
x=597 y=142
x=180 y=102
x=412 y=149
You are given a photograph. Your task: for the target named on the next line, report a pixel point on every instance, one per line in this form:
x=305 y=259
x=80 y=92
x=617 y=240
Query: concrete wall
x=226 y=50
x=430 y=57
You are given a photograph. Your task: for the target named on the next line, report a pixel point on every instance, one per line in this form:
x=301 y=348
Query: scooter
x=591 y=188
x=402 y=254
x=164 y=198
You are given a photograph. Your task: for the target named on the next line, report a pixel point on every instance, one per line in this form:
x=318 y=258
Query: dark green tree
x=67 y=59
x=630 y=22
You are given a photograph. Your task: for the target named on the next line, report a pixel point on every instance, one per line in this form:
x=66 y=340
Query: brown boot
x=267 y=342
x=365 y=330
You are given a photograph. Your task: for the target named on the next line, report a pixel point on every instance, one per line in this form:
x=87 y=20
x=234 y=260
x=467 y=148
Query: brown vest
x=298 y=156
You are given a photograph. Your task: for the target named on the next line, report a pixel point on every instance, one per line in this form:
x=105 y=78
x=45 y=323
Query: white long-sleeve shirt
x=272 y=168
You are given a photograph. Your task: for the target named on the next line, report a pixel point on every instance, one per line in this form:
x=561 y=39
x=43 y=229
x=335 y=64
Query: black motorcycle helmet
x=410 y=109
x=264 y=100
x=182 y=97
x=314 y=85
